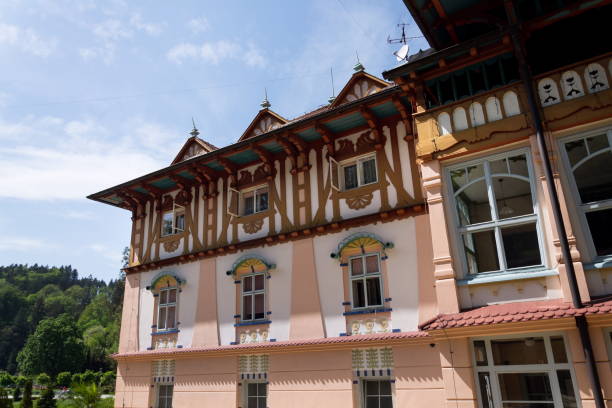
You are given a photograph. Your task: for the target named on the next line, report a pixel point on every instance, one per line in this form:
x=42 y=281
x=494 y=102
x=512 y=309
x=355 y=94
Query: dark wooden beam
x=399 y=105
x=229 y=167
x=372 y=121
x=327 y=136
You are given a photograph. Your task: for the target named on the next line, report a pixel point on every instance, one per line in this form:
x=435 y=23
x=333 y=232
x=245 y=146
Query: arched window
x=548 y=91
x=511 y=104
x=459 y=119
x=444 y=124
x=476 y=114
x=166 y=289
x=493 y=108
x=595 y=78
x=252 y=274
x=571 y=85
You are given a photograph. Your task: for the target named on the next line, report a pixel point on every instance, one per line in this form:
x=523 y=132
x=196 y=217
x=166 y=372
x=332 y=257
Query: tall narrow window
x=524 y=372
x=164 y=395
x=590 y=161
x=257 y=395
x=173 y=222
x=377 y=394
x=366 y=281
x=166 y=317
x=357 y=173
x=254 y=297
x=496 y=214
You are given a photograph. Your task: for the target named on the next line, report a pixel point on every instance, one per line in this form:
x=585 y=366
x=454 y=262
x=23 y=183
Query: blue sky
x=94 y=93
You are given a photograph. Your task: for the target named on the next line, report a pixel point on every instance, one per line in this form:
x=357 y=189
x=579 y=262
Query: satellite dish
x=402 y=53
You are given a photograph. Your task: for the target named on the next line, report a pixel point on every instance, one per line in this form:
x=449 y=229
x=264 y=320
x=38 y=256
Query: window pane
x=567 y=389
x=252 y=389
x=259 y=282
x=512 y=196
x=525 y=387
x=558 y=349
x=374 y=295
x=458 y=178
x=371 y=387
x=163 y=297
x=262 y=200
x=350 y=177
x=172 y=296
x=599 y=225
x=372 y=402
x=499 y=166
x=259 y=306
x=576 y=151
x=358 y=293
x=369 y=171
x=171 y=317
x=519 y=351
x=262 y=389
x=247 y=307
x=473 y=204
x=356 y=266
x=179 y=225
x=518 y=165
x=372 y=264
x=481 y=251
x=386 y=402
x=247 y=284
x=161 y=324
x=385 y=388
x=167 y=224
x=521 y=245
x=249 y=202
x=597 y=143
x=480 y=353
x=484 y=382
x=252 y=402
x=594 y=178
x=262 y=402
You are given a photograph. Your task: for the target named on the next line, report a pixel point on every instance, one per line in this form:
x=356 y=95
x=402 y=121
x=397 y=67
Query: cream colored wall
x=210 y=382
x=133 y=384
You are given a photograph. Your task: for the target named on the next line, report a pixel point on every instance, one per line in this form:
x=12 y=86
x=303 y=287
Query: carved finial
x=358 y=66
x=333 y=97
x=265 y=103
x=194 y=132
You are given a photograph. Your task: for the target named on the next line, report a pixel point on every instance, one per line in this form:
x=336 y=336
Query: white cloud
x=72 y=159
x=106 y=252
x=216 y=52
x=198 y=25
x=150 y=28
x=26 y=40
x=22 y=244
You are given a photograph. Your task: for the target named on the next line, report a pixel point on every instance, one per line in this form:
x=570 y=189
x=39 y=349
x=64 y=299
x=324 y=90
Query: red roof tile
x=517 y=312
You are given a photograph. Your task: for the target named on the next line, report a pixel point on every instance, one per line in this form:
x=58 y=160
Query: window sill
x=365 y=189
x=256 y=322
x=171 y=237
x=368 y=311
x=602 y=262
x=505 y=276
x=255 y=216
x=159 y=333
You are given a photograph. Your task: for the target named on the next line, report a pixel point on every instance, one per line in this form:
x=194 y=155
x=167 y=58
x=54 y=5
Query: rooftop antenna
x=358 y=66
x=265 y=103
x=194 y=132
x=402 y=53
x=333 y=97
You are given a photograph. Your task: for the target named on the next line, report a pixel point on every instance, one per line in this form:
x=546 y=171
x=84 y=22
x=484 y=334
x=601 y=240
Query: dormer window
x=173 y=222
x=353 y=173
x=250 y=201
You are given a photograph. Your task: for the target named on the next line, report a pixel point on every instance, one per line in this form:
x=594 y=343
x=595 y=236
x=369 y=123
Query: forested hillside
x=52 y=320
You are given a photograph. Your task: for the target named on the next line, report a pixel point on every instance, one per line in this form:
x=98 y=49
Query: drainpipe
x=581 y=322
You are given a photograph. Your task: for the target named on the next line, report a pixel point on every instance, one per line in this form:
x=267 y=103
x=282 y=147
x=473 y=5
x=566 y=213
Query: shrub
x=21 y=380
x=77 y=379
x=107 y=382
x=5 y=402
x=17 y=394
x=6 y=380
x=43 y=379
x=64 y=379
x=46 y=399
x=26 y=402
x=89 y=377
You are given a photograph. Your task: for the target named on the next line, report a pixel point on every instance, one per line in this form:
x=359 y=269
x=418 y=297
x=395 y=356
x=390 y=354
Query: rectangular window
x=257 y=395
x=524 y=372
x=173 y=222
x=496 y=214
x=254 y=201
x=589 y=159
x=366 y=281
x=254 y=296
x=353 y=173
x=164 y=395
x=166 y=317
x=377 y=394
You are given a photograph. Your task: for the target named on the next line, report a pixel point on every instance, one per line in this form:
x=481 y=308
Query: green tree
x=5 y=402
x=89 y=377
x=26 y=402
x=77 y=379
x=43 y=379
x=17 y=394
x=21 y=380
x=107 y=381
x=55 y=346
x=47 y=399
x=85 y=396
x=64 y=379
x=6 y=380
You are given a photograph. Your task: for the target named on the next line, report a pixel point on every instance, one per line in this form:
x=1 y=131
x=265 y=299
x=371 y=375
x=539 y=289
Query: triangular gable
x=264 y=121
x=359 y=86
x=194 y=146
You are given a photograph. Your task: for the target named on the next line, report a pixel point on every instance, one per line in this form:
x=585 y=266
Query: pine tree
x=17 y=394
x=46 y=399
x=26 y=402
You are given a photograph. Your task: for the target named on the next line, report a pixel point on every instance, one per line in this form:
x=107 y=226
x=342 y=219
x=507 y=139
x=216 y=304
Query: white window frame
x=176 y=211
x=495 y=223
x=252 y=293
x=583 y=208
x=245 y=385
x=240 y=196
x=550 y=367
x=364 y=277
x=158 y=396
x=358 y=162
x=166 y=306
x=362 y=389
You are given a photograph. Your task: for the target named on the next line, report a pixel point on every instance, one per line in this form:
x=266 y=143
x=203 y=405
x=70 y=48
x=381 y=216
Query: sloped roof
x=359 y=85
x=263 y=122
x=194 y=146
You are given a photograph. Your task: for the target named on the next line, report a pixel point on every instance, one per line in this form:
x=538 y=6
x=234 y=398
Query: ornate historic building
x=399 y=247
